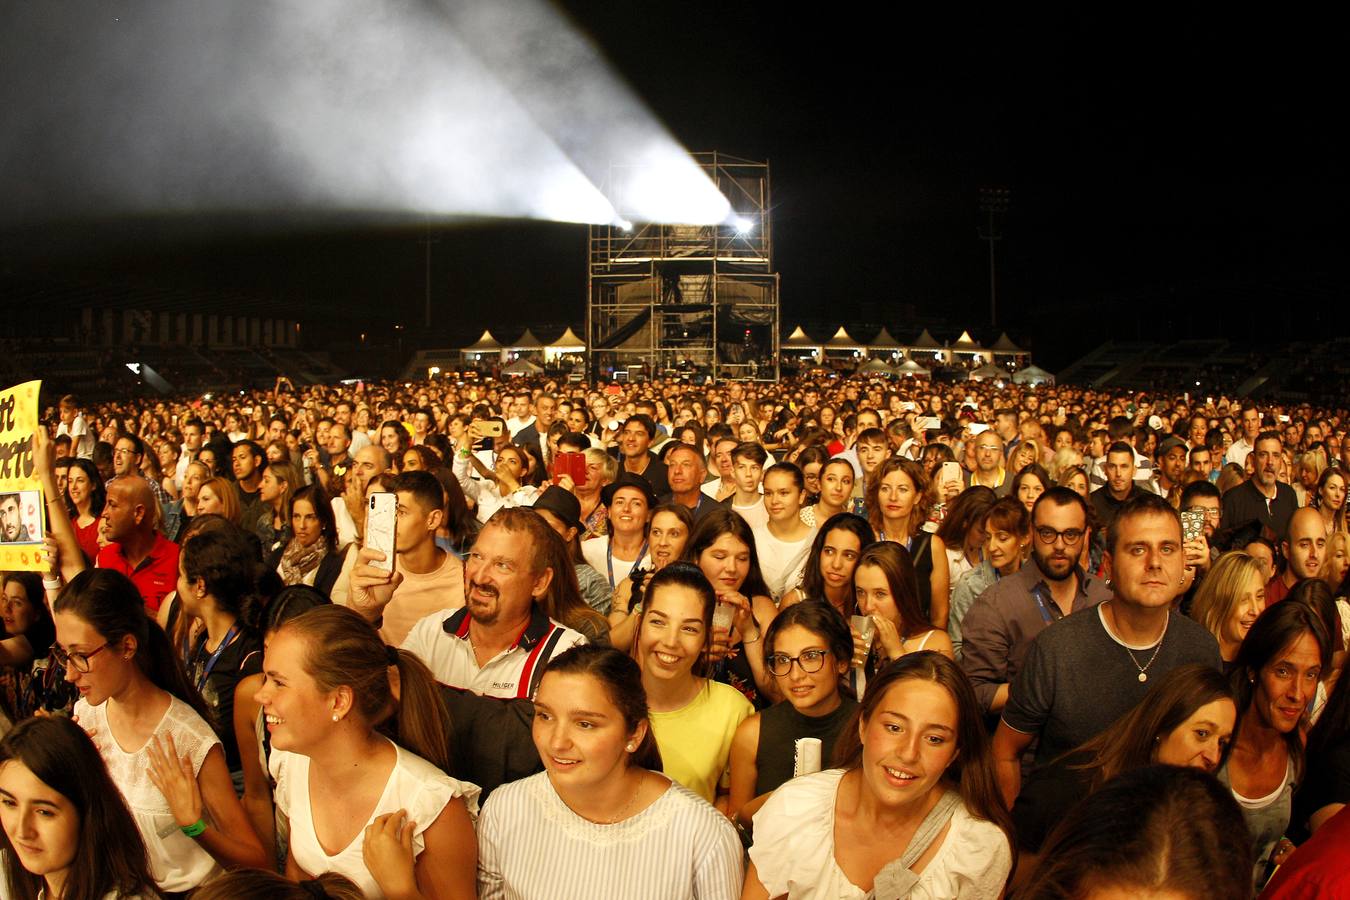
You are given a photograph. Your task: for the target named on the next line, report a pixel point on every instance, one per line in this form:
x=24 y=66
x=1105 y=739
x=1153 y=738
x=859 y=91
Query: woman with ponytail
x=150 y=727
x=218 y=584
x=601 y=820
x=360 y=766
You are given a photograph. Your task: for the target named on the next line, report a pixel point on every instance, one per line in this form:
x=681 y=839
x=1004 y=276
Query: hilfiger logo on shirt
x=503 y=685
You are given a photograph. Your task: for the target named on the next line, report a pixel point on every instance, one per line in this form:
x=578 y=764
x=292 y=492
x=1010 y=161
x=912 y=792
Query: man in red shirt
x=137 y=550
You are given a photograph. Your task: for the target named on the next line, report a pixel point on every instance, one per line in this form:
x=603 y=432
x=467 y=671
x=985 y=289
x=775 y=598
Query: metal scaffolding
x=693 y=299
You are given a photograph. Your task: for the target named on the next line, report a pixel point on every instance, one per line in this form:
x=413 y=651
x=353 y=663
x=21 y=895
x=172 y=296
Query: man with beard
x=1263 y=497
x=1006 y=618
x=500 y=642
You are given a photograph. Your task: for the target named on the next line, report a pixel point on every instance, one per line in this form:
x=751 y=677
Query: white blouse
x=177 y=862
x=414 y=784
x=531 y=846
x=794 y=855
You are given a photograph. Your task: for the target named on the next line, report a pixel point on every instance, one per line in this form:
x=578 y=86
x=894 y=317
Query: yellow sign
x=21 y=505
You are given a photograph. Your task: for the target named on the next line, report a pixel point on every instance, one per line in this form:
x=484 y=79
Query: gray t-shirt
x=1078 y=678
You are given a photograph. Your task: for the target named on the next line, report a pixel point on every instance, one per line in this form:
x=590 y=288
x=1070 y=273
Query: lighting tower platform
x=688 y=299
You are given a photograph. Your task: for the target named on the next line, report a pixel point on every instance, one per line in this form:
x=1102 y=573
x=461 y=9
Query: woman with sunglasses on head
x=152 y=730
x=693 y=717
x=809 y=650
x=913 y=811
x=601 y=820
x=67 y=833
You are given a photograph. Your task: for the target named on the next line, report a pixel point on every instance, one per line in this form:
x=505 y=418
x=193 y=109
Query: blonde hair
x=1226 y=582
x=609 y=466
x=1335 y=539
x=1065 y=458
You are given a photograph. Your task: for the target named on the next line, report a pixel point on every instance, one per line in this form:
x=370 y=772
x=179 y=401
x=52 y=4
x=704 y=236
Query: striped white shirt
x=531 y=846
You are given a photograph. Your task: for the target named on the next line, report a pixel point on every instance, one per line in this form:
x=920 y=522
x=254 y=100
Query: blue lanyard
x=1039 y=593
x=211 y=663
x=609 y=558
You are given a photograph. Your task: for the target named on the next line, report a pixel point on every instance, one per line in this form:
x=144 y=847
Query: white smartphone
x=381 y=515
x=951 y=471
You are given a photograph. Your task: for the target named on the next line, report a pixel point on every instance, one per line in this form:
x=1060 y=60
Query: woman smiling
x=913 y=812
x=601 y=820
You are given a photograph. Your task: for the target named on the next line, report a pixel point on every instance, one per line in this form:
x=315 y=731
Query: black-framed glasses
x=811 y=661
x=77 y=661
x=1049 y=535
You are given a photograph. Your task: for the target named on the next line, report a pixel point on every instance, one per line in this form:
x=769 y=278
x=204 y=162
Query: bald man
x=137 y=550
x=349 y=510
x=1305 y=546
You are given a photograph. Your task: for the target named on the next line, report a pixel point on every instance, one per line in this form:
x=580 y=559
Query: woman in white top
x=670 y=528
x=914 y=812
x=358 y=803
x=134 y=695
x=601 y=820
x=67 y=833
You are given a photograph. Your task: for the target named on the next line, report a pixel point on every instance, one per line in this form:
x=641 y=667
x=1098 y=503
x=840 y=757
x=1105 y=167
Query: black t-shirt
x=1245 y=503
x=1078 y=679
x=780 y=726
x=241 y=658
x=1046 y=796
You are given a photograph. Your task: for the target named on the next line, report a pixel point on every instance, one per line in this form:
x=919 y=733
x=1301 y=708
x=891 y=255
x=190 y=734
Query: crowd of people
x=840 y=638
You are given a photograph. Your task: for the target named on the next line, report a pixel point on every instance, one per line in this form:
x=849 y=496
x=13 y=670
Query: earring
x=630 y=748
x=335 y=717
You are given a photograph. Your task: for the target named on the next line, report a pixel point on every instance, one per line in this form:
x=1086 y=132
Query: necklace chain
x=1143 y=670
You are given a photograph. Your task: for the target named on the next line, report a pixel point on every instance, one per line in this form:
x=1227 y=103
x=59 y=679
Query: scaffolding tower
x=687 y=299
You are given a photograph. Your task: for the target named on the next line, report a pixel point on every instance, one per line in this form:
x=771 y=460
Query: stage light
x=624 y=225
x=467 y=109
x=742 y=224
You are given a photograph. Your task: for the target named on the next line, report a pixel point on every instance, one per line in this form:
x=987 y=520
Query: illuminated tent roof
x=988 y=372
x=522 y=367
x=567 y=342
x=1004 y=344
x=884 y=341
x=485 y=344
x=926 y=341
x=842 y=341
x=910 y=368
x=799 y=340
x=875 y=366
x=1032 y=375
x=966 y=344
x=527 y=342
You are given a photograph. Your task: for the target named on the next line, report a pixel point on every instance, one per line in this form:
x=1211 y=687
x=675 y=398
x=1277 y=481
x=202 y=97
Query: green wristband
x=195 y=829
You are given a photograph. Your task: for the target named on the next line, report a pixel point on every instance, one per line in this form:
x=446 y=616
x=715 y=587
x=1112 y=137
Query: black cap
x=628 y=479
x=562 y=504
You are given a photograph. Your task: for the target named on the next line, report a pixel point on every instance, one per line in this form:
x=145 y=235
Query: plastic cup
x=723 y=615
x=865 y=627
x=806 y=756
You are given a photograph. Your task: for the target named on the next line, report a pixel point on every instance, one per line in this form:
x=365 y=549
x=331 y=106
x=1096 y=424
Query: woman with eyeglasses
x=151 y=728
x=808 y=649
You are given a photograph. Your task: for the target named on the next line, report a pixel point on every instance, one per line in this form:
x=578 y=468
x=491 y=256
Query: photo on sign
x=21 y=517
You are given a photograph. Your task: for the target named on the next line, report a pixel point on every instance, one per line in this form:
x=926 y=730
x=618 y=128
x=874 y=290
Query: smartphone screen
x=1192 y=524
x=381 y=512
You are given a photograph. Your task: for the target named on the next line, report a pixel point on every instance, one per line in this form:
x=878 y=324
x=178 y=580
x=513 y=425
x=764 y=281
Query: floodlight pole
x=993 y=203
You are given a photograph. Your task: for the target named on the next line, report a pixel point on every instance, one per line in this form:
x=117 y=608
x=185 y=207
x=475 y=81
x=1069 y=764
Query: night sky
x=1169 y=176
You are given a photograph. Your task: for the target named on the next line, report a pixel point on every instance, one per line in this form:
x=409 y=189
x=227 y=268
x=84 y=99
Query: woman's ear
x=637 y=737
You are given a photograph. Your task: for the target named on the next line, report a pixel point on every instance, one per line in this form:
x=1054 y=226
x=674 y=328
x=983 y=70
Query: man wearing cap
x=685 y=470
x=629 y=500
x=1171 y=468
x=562 y=511
x=500 y=642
